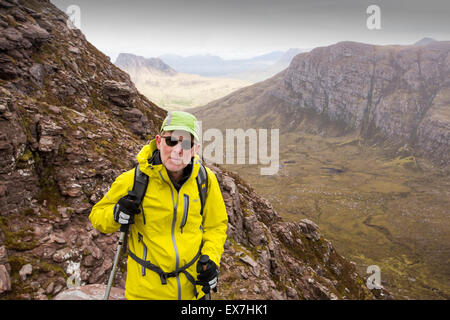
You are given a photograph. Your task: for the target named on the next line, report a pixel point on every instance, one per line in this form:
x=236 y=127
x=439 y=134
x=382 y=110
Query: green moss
x=48 y=189
x=23 y=160
x=26 y=156
x=14 y=239
x=17 y=262
x=49 y=267
x=62 y=149
x=20 y=287
x=27 y=212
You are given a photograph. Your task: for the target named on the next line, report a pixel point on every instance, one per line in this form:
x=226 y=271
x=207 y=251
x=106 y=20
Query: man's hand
x=207 y=274
x=125 y=210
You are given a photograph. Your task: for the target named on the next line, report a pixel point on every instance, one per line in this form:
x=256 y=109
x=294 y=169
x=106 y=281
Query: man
x=169 y=231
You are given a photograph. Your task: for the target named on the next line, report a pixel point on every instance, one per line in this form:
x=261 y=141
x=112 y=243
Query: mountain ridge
x=254 y=68
x=313 y=93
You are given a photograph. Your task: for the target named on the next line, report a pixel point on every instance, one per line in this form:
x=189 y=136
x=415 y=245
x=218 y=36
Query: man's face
x=175 y=158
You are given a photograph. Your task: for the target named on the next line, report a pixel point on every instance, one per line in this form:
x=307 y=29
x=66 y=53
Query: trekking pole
x=204 y=262
x=123 y=234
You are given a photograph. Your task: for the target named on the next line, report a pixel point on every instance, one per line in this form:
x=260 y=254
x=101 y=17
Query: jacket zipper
x=142 y=209
x=174 y=220
x=144 y=256
x=185 y=212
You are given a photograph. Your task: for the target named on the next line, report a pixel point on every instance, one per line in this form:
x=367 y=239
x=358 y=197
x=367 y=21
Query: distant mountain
x=394 y=93
x=425 y=41
x=263 y=72
x=135 y=64
x=174 y=90
x=269 y=57
x=287 y=57
x=215 y=66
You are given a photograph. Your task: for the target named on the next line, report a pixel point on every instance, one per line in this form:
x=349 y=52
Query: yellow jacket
x=158 y=235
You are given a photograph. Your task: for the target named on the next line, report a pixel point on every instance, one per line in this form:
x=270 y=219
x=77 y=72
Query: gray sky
x=244 y=28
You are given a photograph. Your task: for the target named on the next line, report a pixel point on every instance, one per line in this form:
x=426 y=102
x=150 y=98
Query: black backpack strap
x=202 y=184
x=140 y=185
x=138 y=193
x=164 y=275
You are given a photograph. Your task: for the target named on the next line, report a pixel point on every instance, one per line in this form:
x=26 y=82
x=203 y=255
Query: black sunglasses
x=173 y=141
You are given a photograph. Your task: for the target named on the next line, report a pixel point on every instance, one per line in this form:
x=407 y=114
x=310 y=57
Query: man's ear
x=195 y=149
x=158 y=141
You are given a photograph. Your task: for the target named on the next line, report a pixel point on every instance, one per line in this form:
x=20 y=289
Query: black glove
x=207 y=274
x=124 y=211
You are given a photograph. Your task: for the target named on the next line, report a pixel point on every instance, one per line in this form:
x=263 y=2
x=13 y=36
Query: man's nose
x=177 y=148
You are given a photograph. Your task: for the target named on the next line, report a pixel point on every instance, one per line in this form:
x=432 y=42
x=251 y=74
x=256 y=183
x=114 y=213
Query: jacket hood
x=146 y=154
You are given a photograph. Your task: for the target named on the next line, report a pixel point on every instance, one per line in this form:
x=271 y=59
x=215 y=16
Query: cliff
x=395 y=95
x=70 y=122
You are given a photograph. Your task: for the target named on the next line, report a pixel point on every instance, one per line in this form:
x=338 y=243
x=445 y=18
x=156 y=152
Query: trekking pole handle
x=131 y=196
x=204 y=261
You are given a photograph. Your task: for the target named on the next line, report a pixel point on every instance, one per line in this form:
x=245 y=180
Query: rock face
x=394 y=94
x=61 y=110
x=70 y=123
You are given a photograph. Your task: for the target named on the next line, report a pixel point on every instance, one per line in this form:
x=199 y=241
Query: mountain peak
x=425 y=41
x=128 y=61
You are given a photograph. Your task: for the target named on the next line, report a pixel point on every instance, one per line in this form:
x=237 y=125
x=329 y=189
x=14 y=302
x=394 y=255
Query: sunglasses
x=173 y=141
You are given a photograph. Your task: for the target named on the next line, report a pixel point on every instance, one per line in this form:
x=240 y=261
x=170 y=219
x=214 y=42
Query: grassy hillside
x=376 y=209
x=182 y=90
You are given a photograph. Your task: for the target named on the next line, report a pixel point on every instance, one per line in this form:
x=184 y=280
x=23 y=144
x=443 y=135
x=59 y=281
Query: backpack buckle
x=163 y=277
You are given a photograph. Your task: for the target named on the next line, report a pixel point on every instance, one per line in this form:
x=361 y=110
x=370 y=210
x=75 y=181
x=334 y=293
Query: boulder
x=5 y=281
x=90 y=292
x=25 y=271
x=34 y=32
x=119 y=93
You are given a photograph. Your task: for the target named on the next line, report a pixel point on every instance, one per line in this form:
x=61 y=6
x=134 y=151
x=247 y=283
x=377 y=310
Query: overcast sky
x=244 y=28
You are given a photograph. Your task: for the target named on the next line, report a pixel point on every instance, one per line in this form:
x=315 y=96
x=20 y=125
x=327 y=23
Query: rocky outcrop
x=70 y=123
x=396 y=95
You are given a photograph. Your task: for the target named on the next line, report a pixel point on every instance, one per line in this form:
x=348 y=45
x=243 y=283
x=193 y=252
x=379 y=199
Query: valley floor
x=375 y=209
